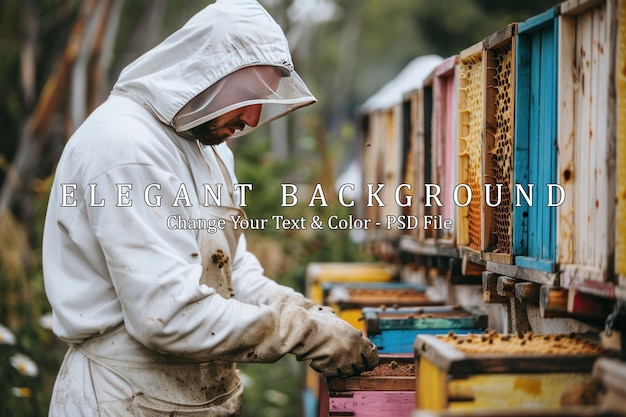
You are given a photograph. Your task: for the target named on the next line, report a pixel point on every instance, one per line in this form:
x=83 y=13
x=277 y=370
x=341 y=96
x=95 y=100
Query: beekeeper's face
x=221 y=128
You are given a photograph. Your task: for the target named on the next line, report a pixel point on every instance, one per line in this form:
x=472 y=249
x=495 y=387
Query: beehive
x=318 y=273
x=394 y=330
x=470 y=145
x=387 y=390
x=494 y=371
x=417 y=153
x=444 y=145
x=498 y=145
x=586 y=140
x=348 y=300
x=534 y=225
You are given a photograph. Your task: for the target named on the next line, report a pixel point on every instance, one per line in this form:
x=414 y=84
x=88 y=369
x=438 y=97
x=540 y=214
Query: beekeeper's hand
x=335 y=348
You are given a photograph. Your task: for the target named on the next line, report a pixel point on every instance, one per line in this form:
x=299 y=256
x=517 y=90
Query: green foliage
x=24 y=311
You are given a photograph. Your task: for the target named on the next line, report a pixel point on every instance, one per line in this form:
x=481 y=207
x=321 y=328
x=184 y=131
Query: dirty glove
x=335 y=348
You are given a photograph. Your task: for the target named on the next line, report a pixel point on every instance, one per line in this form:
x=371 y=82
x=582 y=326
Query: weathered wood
x=517 y=316
x=444 y=141
x=534 y=233
x=382 y=383
x=454 y=362
x=502 y=258
x=587 y=145
x=490 y=289
x=505 y=286
x=394 y=330
x=525 y=274
x=553 y=301
x=527 y=291
x=503 y=35
x=469 y=268
x=574 y=7
x=380 y=378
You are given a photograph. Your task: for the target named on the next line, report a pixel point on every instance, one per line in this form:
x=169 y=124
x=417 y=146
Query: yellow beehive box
x=491 y=371
x=318 y=273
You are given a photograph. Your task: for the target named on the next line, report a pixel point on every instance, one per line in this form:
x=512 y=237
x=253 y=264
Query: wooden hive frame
x=444 y=146
x=418 y=108
x=415 y=136
x=499 y=144
x=374 y=126
x=534 y=226
x=587 y=139
x=392 y=166
x=470 y=123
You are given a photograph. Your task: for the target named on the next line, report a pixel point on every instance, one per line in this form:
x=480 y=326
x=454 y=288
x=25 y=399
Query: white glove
x=335 y=348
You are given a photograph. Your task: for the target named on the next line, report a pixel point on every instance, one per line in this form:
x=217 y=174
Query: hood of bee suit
x=195 y=75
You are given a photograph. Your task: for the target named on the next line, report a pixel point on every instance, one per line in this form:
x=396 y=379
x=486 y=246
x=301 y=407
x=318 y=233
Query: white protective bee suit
x=157 y=315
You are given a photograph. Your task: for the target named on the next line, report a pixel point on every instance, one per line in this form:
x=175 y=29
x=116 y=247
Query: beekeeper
x=157 y=316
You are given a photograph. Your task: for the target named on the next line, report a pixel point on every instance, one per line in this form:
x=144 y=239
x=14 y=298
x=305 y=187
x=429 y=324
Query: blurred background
x=58 y=61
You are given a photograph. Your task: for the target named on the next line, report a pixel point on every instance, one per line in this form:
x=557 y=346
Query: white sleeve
x=157 y=281
x=252 y=286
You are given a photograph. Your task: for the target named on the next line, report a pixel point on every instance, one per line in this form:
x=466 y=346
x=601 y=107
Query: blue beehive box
x=393 y=330
x=534 y=226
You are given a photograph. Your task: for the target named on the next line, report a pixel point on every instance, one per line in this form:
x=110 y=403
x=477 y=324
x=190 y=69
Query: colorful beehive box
x=495 y=371
x=471 y=97
x=383 y=151
x=620 y=244
x=382 y=156
x=417 y=110
x=349 y=299
x=444 y=145
x=498 y=144
x=534 y=220
x=590 y=411
x=587 y=138
x=387 y=390
x=318 y=273
x=393 y=330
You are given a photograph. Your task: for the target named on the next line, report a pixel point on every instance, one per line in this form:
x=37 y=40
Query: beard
x=208 y=133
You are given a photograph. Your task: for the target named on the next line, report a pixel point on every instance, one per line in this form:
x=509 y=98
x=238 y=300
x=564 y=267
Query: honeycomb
x=392 y=368
x=529 y=343
x=620 y=243
x=470 y=139
x=502 y=153
x=362 y=295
